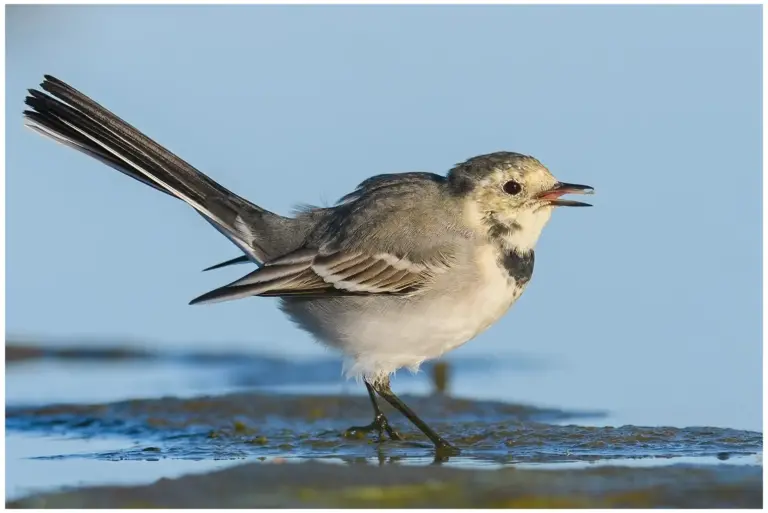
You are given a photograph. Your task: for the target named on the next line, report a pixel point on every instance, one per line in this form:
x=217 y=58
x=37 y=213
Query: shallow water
x=35 y=464
x=90 y=428
x=246 y=425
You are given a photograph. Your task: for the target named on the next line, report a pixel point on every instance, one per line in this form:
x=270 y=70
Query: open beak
x=552 y=195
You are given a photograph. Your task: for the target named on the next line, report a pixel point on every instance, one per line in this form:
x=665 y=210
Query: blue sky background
x=650 y=302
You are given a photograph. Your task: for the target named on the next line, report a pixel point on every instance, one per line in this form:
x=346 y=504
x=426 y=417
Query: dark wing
x=313 y=273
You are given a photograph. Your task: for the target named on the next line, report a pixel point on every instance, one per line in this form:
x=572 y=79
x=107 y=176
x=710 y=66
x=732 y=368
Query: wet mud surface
x=262 y=429
x=250 y=425
x=315 y=484
x=266 y=449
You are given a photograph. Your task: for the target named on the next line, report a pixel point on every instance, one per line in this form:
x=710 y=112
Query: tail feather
x=238 y=260
x=73 y=119
x=48 y=119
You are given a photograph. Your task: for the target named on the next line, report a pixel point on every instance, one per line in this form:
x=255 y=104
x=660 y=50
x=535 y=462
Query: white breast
x=403 y=334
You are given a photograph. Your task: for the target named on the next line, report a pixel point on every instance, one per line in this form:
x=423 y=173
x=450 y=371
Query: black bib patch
x=519 y=267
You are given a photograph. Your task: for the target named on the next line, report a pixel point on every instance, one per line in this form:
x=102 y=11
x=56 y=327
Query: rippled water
x=92 y=428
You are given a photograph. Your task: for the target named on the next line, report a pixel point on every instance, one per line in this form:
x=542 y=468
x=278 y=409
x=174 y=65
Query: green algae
x=317 y=485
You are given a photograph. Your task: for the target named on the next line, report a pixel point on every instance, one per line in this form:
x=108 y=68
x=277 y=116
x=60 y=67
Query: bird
x=401 y=270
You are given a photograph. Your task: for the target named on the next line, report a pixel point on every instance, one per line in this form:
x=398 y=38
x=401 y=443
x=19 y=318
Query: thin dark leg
x=380 y=422
x=386 y=392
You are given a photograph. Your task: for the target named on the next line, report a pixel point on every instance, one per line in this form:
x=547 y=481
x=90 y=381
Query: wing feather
x=309 y=272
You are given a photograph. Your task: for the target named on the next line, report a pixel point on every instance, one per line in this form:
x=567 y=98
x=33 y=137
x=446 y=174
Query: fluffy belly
x=380 y=334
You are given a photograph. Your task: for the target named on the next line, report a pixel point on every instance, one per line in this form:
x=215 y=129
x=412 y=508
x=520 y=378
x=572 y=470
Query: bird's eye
x=512 y=187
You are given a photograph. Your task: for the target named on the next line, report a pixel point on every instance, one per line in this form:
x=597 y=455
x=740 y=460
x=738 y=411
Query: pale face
x=516 y=200
x=514 y=188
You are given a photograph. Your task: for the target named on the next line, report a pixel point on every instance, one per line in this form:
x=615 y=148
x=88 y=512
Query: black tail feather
x=73 y=119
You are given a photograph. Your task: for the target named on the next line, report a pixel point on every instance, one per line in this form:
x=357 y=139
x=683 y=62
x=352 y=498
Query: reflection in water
x=139 y=440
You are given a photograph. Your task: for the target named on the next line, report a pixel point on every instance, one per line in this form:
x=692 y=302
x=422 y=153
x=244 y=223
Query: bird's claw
x=445 y=449
x=380 y=424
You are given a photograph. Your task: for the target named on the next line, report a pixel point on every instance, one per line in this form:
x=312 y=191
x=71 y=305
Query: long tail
x=73 y=119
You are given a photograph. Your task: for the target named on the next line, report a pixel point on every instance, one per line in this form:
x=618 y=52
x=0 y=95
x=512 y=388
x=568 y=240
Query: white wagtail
x=403 y=269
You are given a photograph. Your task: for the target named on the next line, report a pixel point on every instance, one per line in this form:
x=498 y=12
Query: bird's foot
x=380 y=424
x=444 y=449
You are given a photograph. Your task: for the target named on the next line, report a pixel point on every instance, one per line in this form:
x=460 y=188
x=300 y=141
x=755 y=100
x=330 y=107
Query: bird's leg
x=380 y=422
x=383 y=389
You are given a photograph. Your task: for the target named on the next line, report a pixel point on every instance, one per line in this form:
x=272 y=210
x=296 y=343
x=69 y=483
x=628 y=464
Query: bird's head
x=512 y=196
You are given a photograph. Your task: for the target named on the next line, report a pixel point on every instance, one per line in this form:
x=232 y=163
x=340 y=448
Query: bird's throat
x=519 y=233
